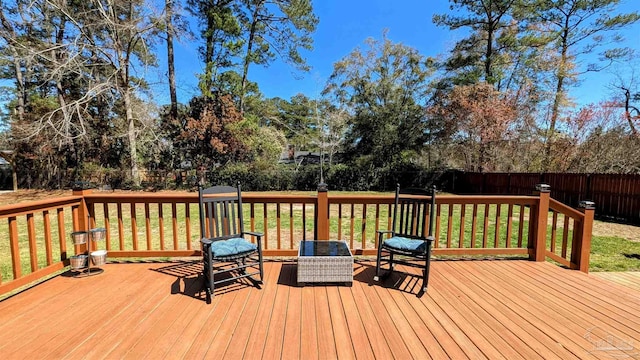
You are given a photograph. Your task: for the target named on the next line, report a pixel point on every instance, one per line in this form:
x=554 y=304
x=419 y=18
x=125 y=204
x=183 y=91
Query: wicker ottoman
x=324 y=261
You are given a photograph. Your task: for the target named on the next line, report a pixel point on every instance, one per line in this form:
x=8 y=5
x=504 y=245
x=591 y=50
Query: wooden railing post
x=82 y=221
x=540 y=223
x=582 y=247
x=322 y=213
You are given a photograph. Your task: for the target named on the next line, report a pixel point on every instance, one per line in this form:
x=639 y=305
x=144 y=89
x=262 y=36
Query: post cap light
x=585 y=204
x=322 y=187
x=543 y=187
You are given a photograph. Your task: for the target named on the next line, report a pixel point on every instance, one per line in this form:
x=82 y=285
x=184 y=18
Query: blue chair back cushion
x=406 y=244
x=230 y=247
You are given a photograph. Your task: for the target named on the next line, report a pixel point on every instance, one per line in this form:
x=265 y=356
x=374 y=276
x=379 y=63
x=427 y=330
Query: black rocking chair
x=408 y=235
x=224 y=248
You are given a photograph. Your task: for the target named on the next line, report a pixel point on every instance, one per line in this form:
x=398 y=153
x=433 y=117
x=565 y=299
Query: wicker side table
x=324 y=261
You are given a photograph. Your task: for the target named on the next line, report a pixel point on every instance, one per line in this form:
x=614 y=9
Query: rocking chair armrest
x=256 y=234
x=430 y=238
x=206 y=241
x=384 y=231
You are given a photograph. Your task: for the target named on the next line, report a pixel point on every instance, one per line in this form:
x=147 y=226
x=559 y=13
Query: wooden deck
x=501 y=309
x=629 y=279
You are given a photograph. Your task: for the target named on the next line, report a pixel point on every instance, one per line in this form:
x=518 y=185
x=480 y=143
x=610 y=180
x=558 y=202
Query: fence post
x=582 y=247
x=322 y=213
x=540 y=222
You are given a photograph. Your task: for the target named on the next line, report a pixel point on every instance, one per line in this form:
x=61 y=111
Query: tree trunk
x=131 y=132
x=487 y=63
x=627 y=111
x=208 y=58
x=20 y=87
x=559 y=95
x=170 y=60
x=131 y=126
x=247 y=57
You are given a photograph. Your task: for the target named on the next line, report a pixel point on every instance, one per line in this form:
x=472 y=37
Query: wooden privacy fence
x=35 y=236
x=617 y=195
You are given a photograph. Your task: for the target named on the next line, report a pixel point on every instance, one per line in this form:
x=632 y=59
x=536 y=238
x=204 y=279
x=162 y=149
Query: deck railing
x=35 y=239
x=142 y=225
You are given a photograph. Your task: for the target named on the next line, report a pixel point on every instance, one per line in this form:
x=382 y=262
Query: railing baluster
x=147 y=225
x=351 y=226
x=436 y=233
x=187 y=224
x=47 y=236
x=62 y=238
x=174 y=224
x=15 y=248
x=554 y=226
x=474 y=225
x=291 y=225
x=565 y=236
x=521 y=226
x=265 y=225
x=33 y=247
x=134 y=225
x=161 y=225
x=120 y=227
x=497 y=233
x=364 y=226
x=375 y=237
x=485 y=228
x=105 y=212
x=278 y=226
x=463 y=208
x=449 y=225
x=252 y=216
x=340 y=221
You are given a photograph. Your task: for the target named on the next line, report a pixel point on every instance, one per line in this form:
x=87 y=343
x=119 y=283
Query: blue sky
x=344 y=25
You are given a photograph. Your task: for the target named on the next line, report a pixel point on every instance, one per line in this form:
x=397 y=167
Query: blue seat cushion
x=230 y=247
x=406 y=244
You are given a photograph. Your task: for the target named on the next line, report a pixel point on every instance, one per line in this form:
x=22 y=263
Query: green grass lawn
x=614 y=254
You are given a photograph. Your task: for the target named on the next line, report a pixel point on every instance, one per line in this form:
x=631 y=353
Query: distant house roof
x=288 y=157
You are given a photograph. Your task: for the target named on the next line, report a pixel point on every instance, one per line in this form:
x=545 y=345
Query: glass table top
x=324 y=248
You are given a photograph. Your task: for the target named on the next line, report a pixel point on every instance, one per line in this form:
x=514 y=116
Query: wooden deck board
x=543 y=321
x=473 y=309
x=507 y=316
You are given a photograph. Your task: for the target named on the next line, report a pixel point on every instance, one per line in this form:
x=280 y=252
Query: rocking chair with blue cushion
x=408 y=236
x=224 y=247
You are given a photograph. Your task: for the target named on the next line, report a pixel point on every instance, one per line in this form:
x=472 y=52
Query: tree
x=13 y=46
x=333 y=126
x=118 y=33
x=626 y=90
x=277 y=28
x=480 y=118
x=206 y=137
x=574 y=28
x=221 y=32
x=601 y=141
x=298 y=120
x=480 y=51
x=384 y=88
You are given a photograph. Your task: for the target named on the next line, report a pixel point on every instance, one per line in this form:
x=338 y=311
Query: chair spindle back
x=412 y=207
x=220 y=212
